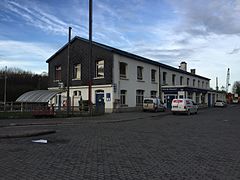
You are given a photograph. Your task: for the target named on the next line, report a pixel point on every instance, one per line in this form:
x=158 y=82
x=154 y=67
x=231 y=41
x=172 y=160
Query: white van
x=187 y=106
x=153 y=104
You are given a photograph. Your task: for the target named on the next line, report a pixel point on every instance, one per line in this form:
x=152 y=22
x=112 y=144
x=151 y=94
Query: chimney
x=183 y=66
x=193 y=71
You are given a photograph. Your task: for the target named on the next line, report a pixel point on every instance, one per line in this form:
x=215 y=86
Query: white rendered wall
x=131 y=84
x=185 y=76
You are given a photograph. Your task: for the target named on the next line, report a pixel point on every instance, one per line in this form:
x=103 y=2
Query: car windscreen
x=148 y=101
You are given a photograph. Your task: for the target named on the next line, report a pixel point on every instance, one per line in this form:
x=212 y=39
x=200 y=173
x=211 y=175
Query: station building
x=121 y=79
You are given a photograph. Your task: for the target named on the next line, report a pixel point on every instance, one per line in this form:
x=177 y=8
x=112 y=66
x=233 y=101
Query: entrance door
x=169 y=100
x=209 y=100
x=100 y=100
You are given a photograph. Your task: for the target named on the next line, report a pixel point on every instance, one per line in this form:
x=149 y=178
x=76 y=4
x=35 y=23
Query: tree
x=20 y=81
x=236 y=87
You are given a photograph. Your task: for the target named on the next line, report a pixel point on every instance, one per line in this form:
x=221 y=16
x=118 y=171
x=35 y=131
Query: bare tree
x=236 y=87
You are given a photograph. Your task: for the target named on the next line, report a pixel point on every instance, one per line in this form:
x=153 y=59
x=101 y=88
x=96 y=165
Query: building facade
x=120 y=79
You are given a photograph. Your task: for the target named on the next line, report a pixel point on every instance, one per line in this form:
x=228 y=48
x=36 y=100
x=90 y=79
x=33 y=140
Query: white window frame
x=139 y=97
x=139 y=73
x=99 y=64
x=155 y=72
x=123 y=76
x=123 y=97
x=77 y=71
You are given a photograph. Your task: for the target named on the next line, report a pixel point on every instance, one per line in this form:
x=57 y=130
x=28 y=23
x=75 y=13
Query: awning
x=38 y=96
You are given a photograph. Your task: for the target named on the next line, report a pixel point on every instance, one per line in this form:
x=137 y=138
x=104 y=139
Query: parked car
x=220 y=103
x=187 y=106
x=153 y=104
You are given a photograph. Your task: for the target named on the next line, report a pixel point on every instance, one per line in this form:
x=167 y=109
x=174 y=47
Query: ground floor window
x=203 y=98
x=197 y=98
x=153 y=94
x=139 y=97
x=123 y=94
x=190 y=95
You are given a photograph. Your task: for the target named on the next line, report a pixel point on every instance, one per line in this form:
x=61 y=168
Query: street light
x=68 y=70
x=90 y=59
x=5 y=89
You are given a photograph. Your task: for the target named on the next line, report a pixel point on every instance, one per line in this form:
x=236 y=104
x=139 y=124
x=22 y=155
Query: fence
x=44 y=109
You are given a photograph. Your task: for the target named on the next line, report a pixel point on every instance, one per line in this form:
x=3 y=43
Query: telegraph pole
x=90 y=59
x=68 y=70
x=5 y=89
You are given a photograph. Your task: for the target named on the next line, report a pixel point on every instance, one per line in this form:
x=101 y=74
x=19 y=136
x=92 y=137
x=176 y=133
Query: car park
x=153 y=104
x=187 y=106
x=220 y=103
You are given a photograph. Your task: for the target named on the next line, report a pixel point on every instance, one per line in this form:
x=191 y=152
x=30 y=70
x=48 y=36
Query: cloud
x=26 y=55
x=234 y=51
x=34 y=16
x=205 y=17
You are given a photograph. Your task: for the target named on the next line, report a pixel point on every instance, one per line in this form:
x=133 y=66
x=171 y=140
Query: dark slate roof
x=127 y=54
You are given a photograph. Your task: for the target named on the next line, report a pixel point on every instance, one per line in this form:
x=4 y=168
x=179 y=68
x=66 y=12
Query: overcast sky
x=205 y=34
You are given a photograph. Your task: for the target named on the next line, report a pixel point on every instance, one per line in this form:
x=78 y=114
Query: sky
x=203 y=33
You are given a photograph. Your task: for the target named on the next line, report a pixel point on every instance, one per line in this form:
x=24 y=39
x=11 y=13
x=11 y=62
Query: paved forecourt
x=203 y=146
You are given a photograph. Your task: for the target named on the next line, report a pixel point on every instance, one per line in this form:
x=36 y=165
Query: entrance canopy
x=38 y=96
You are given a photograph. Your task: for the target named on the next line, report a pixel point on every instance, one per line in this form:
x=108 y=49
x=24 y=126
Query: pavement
x=16 y=128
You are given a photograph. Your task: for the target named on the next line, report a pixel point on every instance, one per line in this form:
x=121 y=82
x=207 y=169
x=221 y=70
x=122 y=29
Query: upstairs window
x=198 y=83
x=164 y=77
x=181 y=80
x=194 y=82
x=153 y=75
x=58 y=72
x=187 y=81
x=77 y=71
x=173 y=79
x=123 y=70
x=203 y=84
x=139 y=72
x=100 y=69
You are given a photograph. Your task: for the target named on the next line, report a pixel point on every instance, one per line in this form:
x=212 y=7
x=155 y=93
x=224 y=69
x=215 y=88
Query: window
x=100 y=69
x=139 y=97
x=123 y=94
x=139 y=73
x=198 y=83
x=187 y=81
x=153 y=94
x=77 y=93
x=58 y=70
x=193 y=82
x=203 y=84
x=206 y=85
x=173 y=79
x=123 y=70
x=77 y=71
x=164 y=77
x=181 y=80
x=153 y=75
x=190 y=95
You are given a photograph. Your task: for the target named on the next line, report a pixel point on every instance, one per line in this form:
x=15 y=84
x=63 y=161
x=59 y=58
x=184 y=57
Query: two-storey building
x=119 y=78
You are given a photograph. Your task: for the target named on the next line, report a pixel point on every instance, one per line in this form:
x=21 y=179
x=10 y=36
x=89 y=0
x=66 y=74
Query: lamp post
x=68 y=70
x=5 y=89
x=90 y=59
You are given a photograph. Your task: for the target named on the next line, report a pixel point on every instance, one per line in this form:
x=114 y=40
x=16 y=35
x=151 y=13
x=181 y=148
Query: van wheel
x=188 y=112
